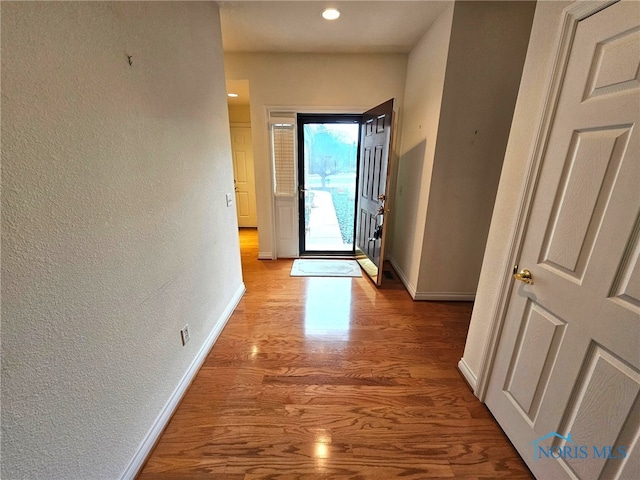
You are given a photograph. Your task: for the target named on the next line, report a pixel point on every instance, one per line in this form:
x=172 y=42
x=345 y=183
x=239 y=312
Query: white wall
x=461 y=87
x=114 y=229
x=495 y=267
x=315 y=81
x=421 y=116
x=239 y=114
x=486 y=55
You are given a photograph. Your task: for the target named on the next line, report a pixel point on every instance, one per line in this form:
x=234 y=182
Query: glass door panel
x=328 y=164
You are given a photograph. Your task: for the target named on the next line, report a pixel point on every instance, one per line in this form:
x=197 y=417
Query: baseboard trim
x=445 y=296
x=468 y=375
x=429 y=296
x=265 y=256
x=403 y=278
x=169 y=408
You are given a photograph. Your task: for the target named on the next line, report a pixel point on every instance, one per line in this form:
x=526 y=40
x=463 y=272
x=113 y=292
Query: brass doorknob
x=524 y=275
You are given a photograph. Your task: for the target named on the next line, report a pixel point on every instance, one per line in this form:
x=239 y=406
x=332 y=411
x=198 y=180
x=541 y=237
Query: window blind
x=283 y=141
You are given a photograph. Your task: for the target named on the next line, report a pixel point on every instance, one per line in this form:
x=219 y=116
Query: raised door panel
x=592 y=166
x=533 y=358
x=603 y=415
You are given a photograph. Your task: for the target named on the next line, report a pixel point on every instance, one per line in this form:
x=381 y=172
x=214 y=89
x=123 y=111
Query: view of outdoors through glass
x=330 y=165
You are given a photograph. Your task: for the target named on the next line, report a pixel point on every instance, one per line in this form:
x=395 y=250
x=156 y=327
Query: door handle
x=524 y=275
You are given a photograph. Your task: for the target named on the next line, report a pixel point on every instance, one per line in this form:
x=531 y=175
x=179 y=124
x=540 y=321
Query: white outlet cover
x=184 y=333
x=229 y=199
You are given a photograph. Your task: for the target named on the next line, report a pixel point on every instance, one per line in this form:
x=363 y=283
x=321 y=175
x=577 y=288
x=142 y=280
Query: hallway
x=331 y=378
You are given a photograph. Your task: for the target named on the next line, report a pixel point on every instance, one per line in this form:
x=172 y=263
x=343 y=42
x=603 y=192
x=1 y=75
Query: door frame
x=274 y=110
x=322 y=118
x=569 y=23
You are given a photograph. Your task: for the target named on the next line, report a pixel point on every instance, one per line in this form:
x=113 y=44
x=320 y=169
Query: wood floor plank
x=332 y=378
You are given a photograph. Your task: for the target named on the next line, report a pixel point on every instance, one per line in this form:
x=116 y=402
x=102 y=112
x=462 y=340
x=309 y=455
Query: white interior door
x=565 y=385
x=244 y=177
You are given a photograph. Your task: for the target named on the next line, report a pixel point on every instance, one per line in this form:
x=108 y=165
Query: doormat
x=325 y=268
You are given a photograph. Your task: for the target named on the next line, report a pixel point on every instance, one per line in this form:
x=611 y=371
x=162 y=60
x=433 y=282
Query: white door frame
x=273 y=109
x=571 y=16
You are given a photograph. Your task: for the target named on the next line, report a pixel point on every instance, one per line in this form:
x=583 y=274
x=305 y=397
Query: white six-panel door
x=244 y=177
x=568 y=361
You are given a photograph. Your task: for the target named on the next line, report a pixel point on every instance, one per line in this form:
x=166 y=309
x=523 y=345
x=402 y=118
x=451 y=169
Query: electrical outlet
x=184 y=334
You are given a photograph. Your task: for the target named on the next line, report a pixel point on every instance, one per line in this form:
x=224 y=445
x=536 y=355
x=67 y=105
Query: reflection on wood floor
x=331 y=378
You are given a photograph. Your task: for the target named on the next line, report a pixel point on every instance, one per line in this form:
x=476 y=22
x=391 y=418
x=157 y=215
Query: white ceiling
x=297 y=26
x=364 y=26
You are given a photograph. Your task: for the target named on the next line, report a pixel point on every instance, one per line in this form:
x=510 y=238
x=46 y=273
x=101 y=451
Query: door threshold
x=325 y=256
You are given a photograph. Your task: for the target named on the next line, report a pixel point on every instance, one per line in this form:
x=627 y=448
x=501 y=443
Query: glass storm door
x=327 y=181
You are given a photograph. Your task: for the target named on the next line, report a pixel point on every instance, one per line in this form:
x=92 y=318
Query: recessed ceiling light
x=232 y=95
x=330 y=14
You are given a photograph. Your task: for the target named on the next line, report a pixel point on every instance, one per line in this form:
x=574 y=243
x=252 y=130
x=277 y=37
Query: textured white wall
x=486 y=55
x=421 y=114
x=536 y=72
x=308 y=80
x=114 y=226
x=462 y=77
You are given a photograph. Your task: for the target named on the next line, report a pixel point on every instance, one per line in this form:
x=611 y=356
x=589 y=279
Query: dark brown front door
x=375 y=143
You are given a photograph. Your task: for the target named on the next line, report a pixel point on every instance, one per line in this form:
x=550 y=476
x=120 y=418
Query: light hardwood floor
x=332 y=378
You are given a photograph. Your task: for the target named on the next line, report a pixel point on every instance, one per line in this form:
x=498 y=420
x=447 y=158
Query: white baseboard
x=265 y=256
x=172 y=403
x=430 y=296
x=468 y=375
x=445 y=296
x=403 y=278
